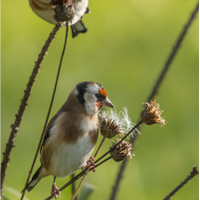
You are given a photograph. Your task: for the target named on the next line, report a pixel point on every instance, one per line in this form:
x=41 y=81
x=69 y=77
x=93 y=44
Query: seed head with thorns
x=152 y=114
x=112 y=124
x=121 y=151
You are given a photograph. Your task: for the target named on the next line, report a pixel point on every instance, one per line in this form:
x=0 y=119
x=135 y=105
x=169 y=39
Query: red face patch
x=103 y=92
x=99 y=105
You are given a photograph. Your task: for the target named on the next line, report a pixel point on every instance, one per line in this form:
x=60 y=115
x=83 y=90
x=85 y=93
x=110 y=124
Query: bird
x=71 y=134
x=45 y=9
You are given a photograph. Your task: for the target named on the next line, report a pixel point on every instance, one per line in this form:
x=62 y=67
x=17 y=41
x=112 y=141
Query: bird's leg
x=91 y=164
x=55 y=192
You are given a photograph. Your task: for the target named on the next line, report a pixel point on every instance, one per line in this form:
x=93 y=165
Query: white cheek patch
x=90 y=103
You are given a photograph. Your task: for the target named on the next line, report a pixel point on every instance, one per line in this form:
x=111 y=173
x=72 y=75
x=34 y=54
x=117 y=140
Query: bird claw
x=55 y=192
x=91 y=164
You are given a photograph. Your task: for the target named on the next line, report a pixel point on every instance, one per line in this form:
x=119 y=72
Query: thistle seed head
x=112 y=124
x=152 y=114
x=109 y=128
x=121 y=151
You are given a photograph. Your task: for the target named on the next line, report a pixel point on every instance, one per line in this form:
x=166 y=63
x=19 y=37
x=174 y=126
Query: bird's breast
x=75 y=146
x=70 y=157
x=45 y=9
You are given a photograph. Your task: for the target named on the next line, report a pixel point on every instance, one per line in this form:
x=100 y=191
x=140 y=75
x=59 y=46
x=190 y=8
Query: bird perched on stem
x=69 y=11
x=71 y=134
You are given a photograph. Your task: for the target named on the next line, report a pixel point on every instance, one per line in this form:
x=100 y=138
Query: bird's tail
x=35 y=179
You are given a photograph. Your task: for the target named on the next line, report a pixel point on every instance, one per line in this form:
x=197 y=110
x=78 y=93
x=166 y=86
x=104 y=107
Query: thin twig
x=73 y=186
x=155 y=91
x=80 y=185
x=48 y=114
x=192 y=174
x=174 y=52
x=119 y=178
x=100 y=145
x=24 y=103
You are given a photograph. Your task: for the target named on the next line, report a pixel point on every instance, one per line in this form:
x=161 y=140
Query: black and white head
x=92 y=96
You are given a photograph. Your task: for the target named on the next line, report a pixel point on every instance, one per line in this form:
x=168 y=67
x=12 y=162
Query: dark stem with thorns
x=48 y=114
x=24 y=103
x=192 y=174
x=155 y=90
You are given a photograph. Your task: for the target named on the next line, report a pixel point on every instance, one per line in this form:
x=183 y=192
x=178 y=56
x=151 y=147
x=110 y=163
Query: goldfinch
x=45 y=10
x=71 y=134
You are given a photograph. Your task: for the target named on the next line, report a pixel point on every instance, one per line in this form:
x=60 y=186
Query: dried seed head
x=121 y=151
x=109 y=128
x=152 y=114
x=112 y=124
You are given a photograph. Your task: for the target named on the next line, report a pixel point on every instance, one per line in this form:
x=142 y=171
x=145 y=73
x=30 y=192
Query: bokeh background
x=125 y=48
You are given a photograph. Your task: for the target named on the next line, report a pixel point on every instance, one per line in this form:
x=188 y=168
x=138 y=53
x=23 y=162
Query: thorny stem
x=24 y=103
x=155 y=90
x=48 y=114
x=192 y=174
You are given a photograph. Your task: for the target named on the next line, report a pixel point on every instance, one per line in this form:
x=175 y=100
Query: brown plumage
x=71 y=134
x=72 y=12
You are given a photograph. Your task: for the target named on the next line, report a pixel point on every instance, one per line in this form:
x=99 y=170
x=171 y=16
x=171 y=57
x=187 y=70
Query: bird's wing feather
x=48 y=130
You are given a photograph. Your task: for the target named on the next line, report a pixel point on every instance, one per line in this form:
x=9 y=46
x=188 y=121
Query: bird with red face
x=71 y=134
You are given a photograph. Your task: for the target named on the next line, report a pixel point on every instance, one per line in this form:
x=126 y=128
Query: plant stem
x=118 y=179
x=192 y=174
x=73 y=185
x=100 y=145
x=24 y=103
x=173 y=53
x=155 y=90
x=48 y=114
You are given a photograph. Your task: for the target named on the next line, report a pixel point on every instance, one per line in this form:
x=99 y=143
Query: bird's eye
x=100 y=97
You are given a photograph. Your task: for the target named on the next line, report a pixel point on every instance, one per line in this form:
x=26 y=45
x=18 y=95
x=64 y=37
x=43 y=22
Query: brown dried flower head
x=121 y=151
x=112 y=124
x=109 y=128
x=152 y=114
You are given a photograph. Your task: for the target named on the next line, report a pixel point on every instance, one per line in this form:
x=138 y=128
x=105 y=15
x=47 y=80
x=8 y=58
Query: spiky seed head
x=121 y=151
x=109 y=128
x=152 y=114
x=112 y=123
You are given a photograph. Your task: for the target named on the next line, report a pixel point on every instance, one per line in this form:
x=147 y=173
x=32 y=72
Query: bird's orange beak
x=107 y=103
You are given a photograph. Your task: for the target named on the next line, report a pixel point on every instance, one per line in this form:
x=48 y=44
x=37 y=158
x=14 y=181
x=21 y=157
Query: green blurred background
x=124 y=49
